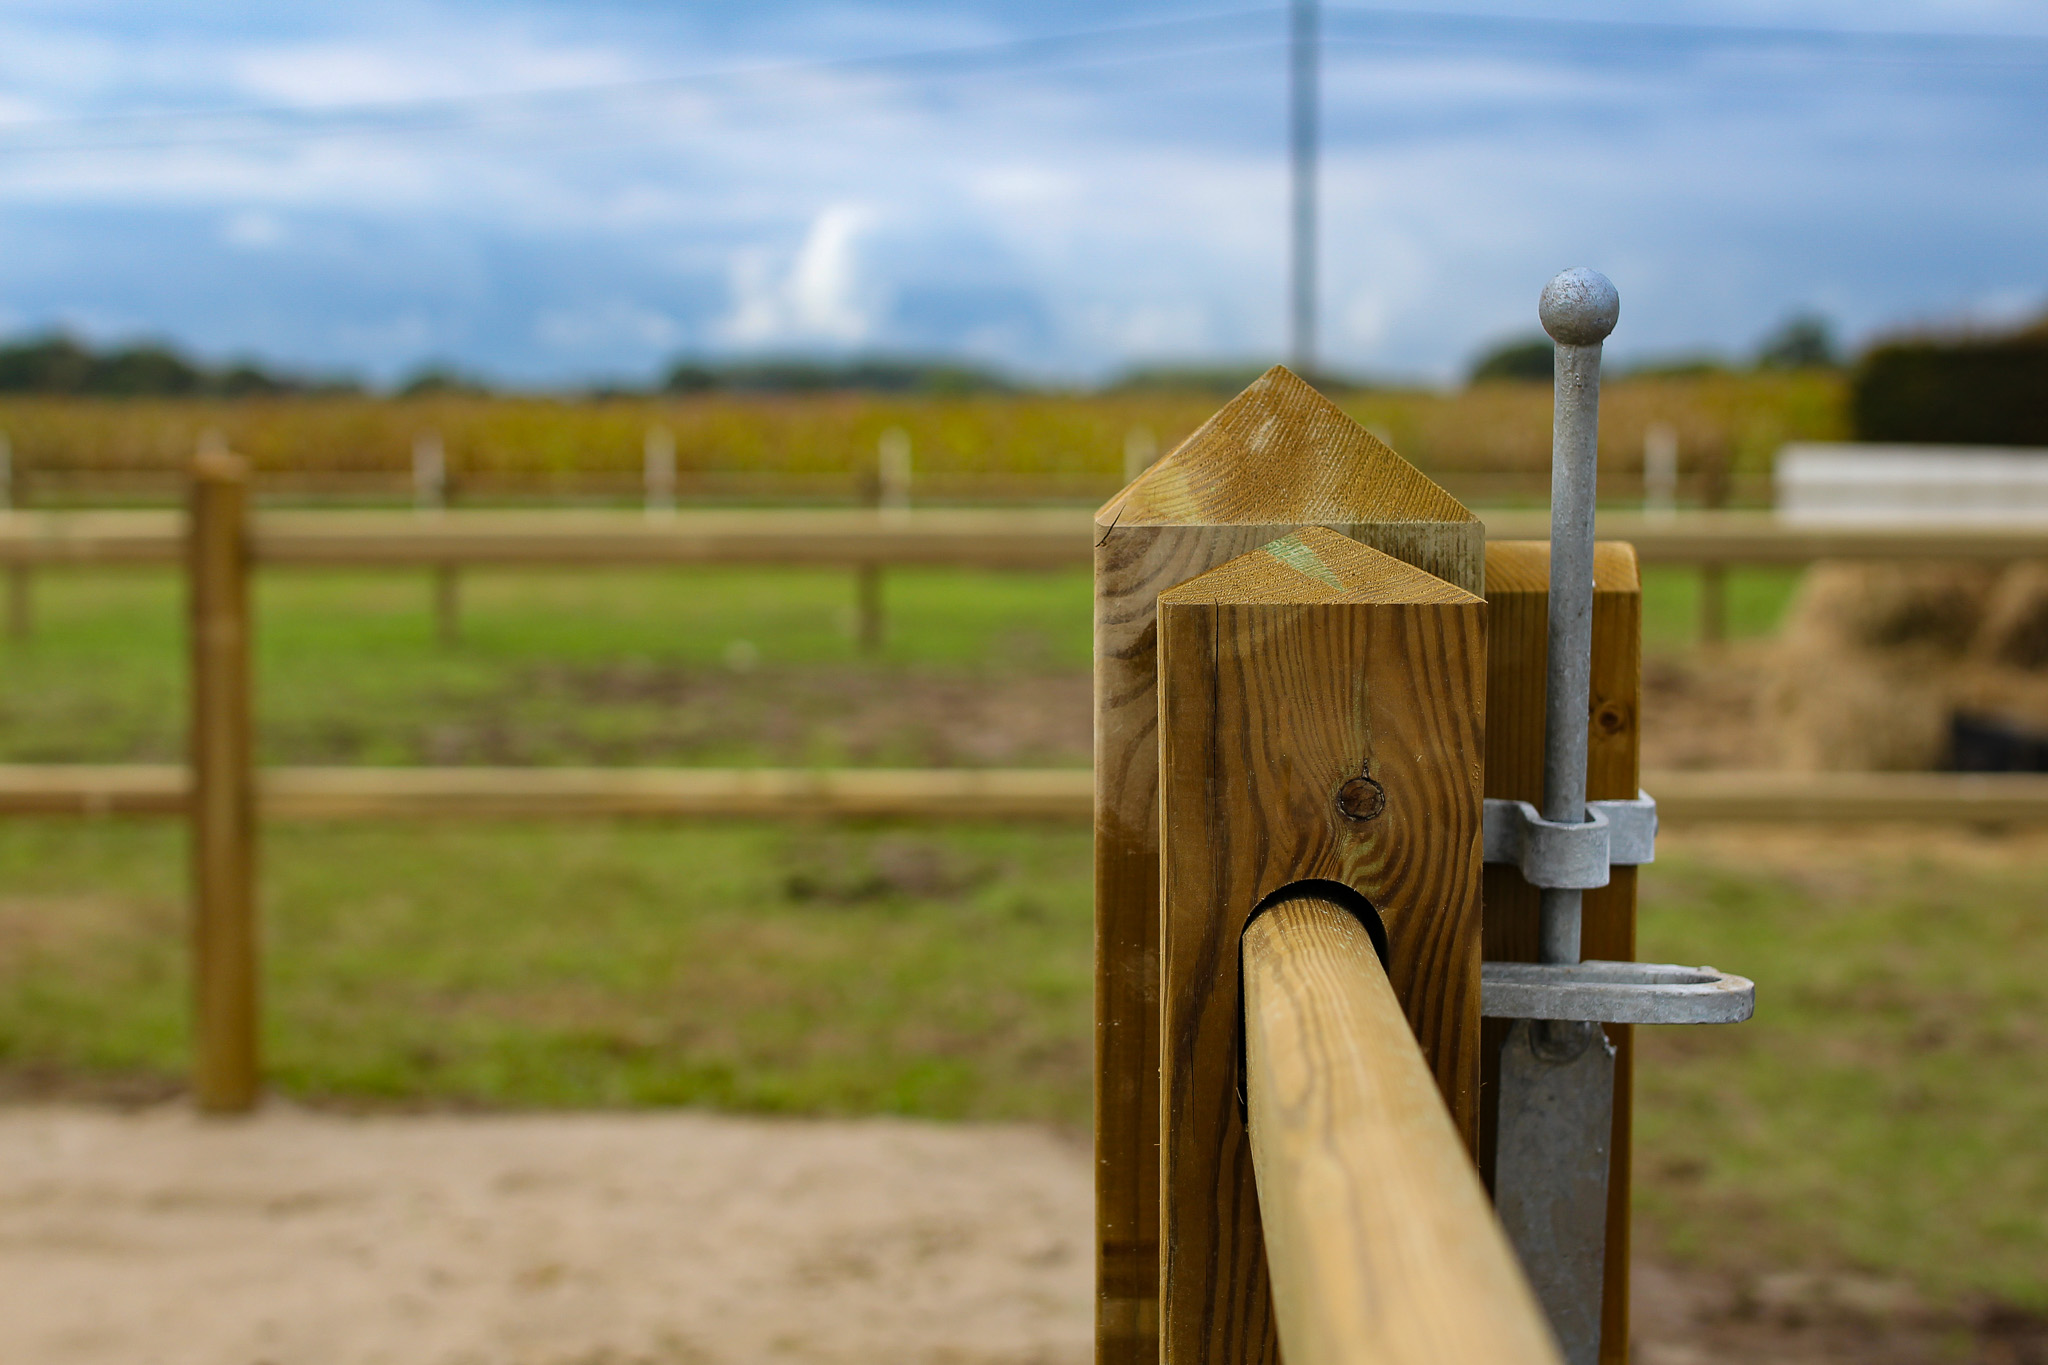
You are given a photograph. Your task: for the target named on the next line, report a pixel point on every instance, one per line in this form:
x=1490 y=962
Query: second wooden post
x=1321 y=728
x=224 y=941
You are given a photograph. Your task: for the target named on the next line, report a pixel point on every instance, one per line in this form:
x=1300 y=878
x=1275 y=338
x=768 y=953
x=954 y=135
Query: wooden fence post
x=1321 y=721
x=867 y=608
x=430 y=498
x=658 y=473
x=20 y=578
x=21 y=601
x=1714 y=573
x=223 y=790
x=892 y=500
x=1518 y=602
x=1276 y=458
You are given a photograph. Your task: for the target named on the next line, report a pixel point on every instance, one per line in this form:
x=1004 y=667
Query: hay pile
x=1875 y=661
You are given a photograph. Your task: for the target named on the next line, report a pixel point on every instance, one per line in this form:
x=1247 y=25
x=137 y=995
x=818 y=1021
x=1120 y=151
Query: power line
x=1927 y=47
x=197 y=127
x=1302 y=140
x=1142 y=40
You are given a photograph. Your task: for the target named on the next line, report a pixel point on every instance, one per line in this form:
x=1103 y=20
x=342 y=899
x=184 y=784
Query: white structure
x=1660 y=470
x=1844 y=483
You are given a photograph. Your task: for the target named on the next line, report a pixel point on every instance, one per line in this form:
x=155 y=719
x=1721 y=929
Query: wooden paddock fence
x=219 y=543
x=868 y=540
x=1018 y=538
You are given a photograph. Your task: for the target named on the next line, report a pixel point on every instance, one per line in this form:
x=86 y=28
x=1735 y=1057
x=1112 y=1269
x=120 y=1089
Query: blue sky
x=556 y=192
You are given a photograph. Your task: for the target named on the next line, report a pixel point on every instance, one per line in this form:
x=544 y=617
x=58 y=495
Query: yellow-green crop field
x=1036 y=444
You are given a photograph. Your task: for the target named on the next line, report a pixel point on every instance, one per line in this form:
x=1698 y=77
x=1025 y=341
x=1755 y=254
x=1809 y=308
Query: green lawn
x=750 y=966
x=1884 y=1110
x=660 y=666
x=575 y=667
x=1886 y=1107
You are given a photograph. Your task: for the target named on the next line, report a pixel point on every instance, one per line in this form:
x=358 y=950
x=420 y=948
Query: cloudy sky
x=556 y=192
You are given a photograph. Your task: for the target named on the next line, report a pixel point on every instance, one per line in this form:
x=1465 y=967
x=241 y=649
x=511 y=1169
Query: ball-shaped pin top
x=1579 y=307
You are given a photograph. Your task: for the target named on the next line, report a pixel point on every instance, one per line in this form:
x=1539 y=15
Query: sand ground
x=308 y=1239
x=154 y=1237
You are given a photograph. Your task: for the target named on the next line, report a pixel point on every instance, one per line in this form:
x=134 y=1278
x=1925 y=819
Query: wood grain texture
x=223 y=791
x=1380 y=1239
x=1518 y=598
x=1285 y=675
x=1276 y=458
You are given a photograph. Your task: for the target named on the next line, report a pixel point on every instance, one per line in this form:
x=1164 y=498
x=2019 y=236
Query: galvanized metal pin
x=1579 y=308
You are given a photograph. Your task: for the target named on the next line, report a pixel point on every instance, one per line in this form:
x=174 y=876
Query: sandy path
x=296 y=1238
x=312 y=1239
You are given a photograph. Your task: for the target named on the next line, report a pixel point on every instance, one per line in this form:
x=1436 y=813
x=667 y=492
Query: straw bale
x=2014 y=628
x=1865 y=673
x=1889 y=606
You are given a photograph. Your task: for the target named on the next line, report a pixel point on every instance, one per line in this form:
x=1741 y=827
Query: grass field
x=682 y=666
x=1883 y=1111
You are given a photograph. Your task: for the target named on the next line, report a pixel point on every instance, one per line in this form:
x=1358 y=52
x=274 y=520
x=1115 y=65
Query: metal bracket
x=1614 y=993
x=1571 y=857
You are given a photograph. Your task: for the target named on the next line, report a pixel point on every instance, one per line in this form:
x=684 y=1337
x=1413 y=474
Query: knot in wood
x=1361 y=799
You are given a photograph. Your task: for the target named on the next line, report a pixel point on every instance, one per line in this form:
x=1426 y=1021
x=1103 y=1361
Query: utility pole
x=1302 y=130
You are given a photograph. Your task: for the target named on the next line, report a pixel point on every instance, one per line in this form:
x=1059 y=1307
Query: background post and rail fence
x=220 y=543
x=868 y=541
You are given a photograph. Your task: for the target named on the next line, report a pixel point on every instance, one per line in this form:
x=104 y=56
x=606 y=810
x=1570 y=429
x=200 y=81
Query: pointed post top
x=1315 y=564
x=1280 y=453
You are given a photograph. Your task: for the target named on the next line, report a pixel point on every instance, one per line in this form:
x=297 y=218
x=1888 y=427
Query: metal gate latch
x=1576 y=857
x=1556 y=1089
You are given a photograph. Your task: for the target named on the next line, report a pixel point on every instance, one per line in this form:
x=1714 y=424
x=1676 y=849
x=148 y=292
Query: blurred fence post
x=20 y=584
x=1714 y=573
x=892 y=464
x=892 y=497
x=430 y=498
x=1660 y=470
x=1141 y=448
x=225 y=1022
x=658 y=472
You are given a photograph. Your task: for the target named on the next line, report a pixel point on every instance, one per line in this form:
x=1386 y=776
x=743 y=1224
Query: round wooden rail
x=1042 y=538
x=1379 y=1237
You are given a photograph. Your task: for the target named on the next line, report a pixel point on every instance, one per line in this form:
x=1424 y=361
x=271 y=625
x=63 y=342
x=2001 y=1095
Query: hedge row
x=1972 y=391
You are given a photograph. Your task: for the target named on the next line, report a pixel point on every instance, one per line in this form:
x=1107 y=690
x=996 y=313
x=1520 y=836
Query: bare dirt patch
x=647 y=713
x=656 y=1238
x=303 y=1239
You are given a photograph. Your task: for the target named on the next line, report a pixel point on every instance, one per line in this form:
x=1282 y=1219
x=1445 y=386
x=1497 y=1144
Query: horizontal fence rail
x=1007 y=538
x=1380 y=1241
x=1064 y=794
x=1013 y=538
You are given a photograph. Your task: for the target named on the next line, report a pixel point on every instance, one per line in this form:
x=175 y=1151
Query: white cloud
x=818 y=297
x=1063 y=219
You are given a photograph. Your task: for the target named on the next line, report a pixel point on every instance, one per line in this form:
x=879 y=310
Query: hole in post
x=1338 y=894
